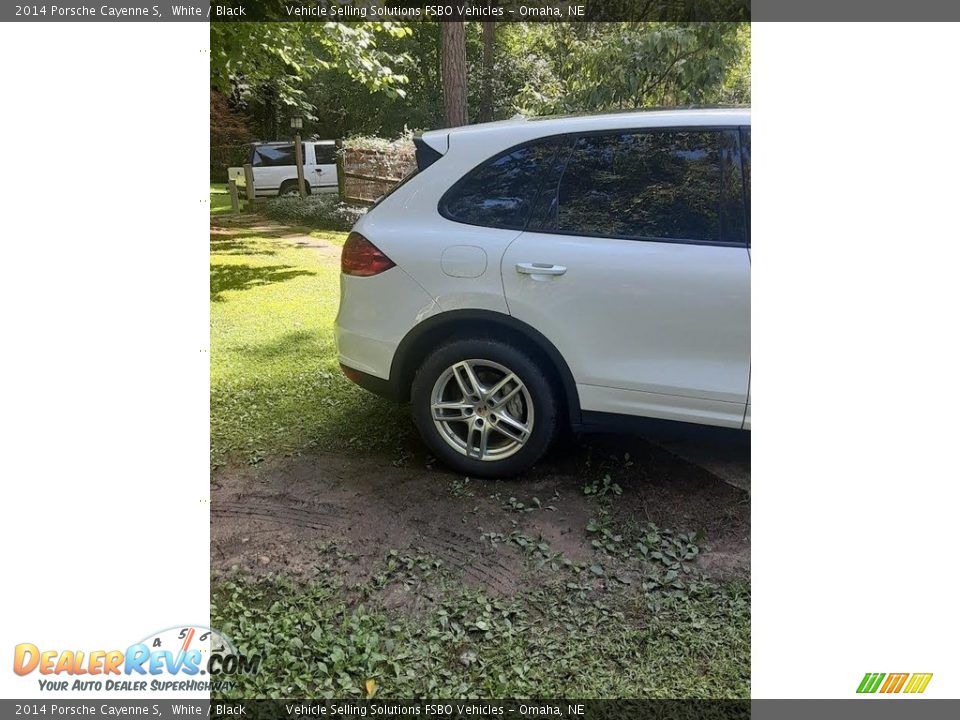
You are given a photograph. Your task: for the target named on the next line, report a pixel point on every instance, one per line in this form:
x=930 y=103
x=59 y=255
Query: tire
x=292 y=187
x=470 y=389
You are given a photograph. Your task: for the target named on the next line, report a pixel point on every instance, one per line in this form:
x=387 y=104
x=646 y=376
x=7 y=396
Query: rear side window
x=326 y=154
x=659 y=185
x=500 y=192
x=273 y=155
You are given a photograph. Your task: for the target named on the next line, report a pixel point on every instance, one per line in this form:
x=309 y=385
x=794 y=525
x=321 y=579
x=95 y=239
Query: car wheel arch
x=295 y=184
x=455 y=324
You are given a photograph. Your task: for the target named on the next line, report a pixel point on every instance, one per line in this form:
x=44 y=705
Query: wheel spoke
x=506 y=380
x=513 y=429
x=478 y=439
x=456 y=410
x=467 y=380
x=484 y=438
x=507 y=397
x=473 y=433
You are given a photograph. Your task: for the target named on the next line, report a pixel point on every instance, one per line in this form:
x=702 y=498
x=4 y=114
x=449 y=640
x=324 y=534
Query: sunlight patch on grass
x=334 y=237
x=219 y=199
x=276 y=386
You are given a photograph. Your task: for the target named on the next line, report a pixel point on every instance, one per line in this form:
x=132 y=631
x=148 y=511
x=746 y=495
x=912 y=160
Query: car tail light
x=362 y=258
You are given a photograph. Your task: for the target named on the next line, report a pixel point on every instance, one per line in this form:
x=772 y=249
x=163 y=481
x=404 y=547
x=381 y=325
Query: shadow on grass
x=305 y=343
x=249 y=246
x=240 y=232
x=245 y=277
x=293 y=397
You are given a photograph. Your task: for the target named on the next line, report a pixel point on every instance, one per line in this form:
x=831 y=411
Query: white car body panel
x=659 y=317
x=746 y=414
x=419 y=248
x=648 y=328
x=367 y=332
x=663 y=407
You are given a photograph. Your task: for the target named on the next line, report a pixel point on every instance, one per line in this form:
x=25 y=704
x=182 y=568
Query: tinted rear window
x=326 y=154
x=500 y=192
x=272 y=155
x=745 y=155
x=656 y=185
x=276 y=155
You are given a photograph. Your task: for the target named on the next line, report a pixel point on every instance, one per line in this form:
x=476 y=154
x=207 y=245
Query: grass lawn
x=219 y=199
x=276 y=385
x=556 y=639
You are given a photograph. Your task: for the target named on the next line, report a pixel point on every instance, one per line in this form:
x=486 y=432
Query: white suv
x=275 y=168
x=578 y=271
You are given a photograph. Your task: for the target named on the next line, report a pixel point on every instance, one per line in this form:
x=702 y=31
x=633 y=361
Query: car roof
x=637 y=118
x=519 y=129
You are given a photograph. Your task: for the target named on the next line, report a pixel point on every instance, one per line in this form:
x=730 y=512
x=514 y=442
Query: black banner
x=481 y=10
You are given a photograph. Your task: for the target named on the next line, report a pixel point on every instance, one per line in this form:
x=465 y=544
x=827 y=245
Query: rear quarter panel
x=409 y=229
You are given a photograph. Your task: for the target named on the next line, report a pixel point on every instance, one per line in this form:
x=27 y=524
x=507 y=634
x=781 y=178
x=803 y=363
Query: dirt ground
x=279 y=517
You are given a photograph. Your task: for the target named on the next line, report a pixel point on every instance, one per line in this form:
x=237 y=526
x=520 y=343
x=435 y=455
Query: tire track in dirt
x=262 y=513
x=282 y=510
x=274 y=517
x=485 y=567
x=380 y=524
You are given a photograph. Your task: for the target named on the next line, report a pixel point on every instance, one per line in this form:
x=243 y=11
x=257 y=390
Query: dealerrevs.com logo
x=909 y=683
x=183 y=659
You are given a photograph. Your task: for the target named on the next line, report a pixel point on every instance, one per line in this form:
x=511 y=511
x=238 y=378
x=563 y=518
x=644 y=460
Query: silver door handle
x=540 y=269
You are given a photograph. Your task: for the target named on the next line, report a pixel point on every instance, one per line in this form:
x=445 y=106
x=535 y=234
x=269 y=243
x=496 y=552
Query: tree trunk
x=486 y=101
x=453 y=71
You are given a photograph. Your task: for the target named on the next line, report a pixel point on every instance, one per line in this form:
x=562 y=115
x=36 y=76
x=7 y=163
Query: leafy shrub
x=325 y=211
x=402 y=145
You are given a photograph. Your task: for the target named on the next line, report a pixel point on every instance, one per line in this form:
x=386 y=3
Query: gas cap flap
x=466 y=261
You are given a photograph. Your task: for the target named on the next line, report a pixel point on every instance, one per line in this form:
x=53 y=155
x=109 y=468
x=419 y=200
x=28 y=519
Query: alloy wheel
x=482 y=410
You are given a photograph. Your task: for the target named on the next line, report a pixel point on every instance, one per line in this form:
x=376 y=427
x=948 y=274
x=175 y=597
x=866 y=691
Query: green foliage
x=384 y=78
x=347 y=108
x=554 y=639
x=610 y=66
x=272 y=63
x=323 y=211
x=736 y=85
x=602 y=488
x=550 y=68
x=400 y=145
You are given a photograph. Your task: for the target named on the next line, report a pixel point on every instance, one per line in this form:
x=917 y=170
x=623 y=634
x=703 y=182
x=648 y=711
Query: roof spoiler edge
x=430 y=147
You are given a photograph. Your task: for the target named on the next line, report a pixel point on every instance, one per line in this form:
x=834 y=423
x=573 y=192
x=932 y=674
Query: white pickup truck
x=275 y=168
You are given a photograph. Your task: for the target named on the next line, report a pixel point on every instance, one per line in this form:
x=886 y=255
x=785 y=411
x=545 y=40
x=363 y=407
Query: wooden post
x=298 y=148
x=248 y=175
x=341 y=180
x=234 y=198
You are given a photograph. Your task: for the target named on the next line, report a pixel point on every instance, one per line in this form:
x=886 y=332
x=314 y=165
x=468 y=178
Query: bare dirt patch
x=279 y=517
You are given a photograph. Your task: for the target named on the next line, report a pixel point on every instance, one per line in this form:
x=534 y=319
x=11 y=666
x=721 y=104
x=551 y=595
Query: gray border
x=854 y=11
x=890 y=707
